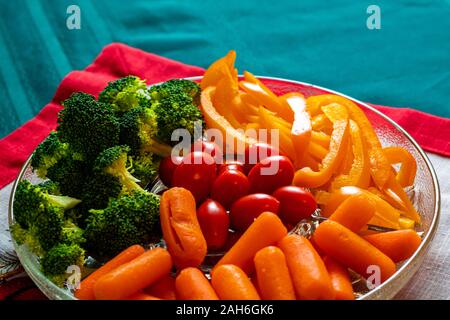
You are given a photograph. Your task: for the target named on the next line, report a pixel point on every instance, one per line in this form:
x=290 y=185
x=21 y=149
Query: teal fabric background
x=405 y=64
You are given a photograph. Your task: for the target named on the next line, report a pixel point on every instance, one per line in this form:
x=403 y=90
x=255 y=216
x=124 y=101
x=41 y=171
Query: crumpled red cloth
x=117 y=60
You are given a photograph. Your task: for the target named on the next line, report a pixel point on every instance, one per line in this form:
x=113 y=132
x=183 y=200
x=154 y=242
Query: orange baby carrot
x=398 y=245
x=308 y=273
x=191 y=284
x=355 y=212
x=266 y=230
x=274 y=281
x=164 y=288
x=340 y=279
x=231 y=283
x=180 y=227
x=352 y=251
x=86 y=290
x=142 y=296
x=133 y=276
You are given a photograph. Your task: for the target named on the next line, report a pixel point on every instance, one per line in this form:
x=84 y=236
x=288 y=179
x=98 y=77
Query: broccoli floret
x=144 y=167
x=48 y=153
x=125 y=94
x=175 y=104
x=32 y=200
x=55 y=262
x=139 y=129
x=70 y=175
x=87 y=125
x=113 y=162
x=130 y=219
x=50 y=187
x=170 y=87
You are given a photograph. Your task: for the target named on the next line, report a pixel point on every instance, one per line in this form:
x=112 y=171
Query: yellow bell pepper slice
x=408 y=165
x=359 y=174
x=218 y=69
x=321 y=123
x=265 y=96
x=223 y=100
x=320 y=138
x=301 y=129
x=395 y=191
x=380 y=167
x=306 y=177
x=385 y=214
x=215 y=120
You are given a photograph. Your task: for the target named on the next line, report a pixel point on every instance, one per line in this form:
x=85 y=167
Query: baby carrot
x=266 y=230
x=191 y=284
x=164 y=288
x=231 y=283
x=352 y=251
x=340 y=279
x=86 y=290
x=142 y=296
x=308 y=273
x=355 y=212
x=274 y=281
x=398 y=245
x=180 y=228
x=133 y=276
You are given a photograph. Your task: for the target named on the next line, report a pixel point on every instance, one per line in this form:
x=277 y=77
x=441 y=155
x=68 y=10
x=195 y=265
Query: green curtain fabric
x=406 y=63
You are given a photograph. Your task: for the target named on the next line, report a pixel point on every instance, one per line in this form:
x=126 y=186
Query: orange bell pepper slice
x=306 y=177
x=223 y=100
x=301 y=129
x=218 y=69
x=321 y=123
x=380 y=167
x=408 y=167
x=215 y=120
x=395 y=190
x=269 y=121
x=265 y=96
x=320 y=138
x=385 y=214
x=359 y=174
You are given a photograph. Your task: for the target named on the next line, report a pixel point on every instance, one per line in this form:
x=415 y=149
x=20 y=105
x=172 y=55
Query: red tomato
x=214 y=222
x=295 y=203
x=270 y=174
x=229 y=186
x=167 y=168
x=244 y=211
x=257 y=152
x=231 y=165
x=208 y=147
x=196 y=173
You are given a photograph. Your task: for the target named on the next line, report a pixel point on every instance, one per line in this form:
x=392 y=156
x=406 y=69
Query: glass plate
x=425 y=195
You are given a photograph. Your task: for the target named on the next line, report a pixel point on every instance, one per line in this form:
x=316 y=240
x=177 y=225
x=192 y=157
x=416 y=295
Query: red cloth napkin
x=117 y=60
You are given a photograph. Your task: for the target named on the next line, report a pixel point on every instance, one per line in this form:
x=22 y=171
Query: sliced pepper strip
x=408 y=167
x=301 y=127
x=222 y=67
x=265 y=96
x=223 y=99
x=320 y=122
x=380 y=167
x=385 y=214
x=394 y=188
x=359 y=174
x=305 y=177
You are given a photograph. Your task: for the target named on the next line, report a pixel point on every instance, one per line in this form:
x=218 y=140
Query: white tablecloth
x=432 y=281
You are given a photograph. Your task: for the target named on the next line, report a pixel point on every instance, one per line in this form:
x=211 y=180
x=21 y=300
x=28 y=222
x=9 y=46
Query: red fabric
x=117 y=60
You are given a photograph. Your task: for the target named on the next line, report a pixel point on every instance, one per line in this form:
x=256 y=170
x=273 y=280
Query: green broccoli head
x=139 y=129
x=70 y=175
x=87 y=125
x=175 y=104
x=98 y=190
x=168 y=88
x=125 y=94
x=144 y=167
x=48 y=153
x=131 y=219
x=55 y=261
x=113 y=162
